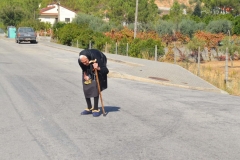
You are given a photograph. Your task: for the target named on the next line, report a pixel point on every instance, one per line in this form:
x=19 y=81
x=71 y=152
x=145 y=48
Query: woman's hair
x=82 y=56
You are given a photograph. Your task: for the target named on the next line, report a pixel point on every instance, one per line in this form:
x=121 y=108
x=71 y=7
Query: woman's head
x=84 y=60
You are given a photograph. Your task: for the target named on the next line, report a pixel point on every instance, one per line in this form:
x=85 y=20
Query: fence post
x=174 y=52
x=198 y=73
x=226 y=66
x=116 y=49
x=90 y=45
x=106 y=48
x=127 y=49
x=155 y=52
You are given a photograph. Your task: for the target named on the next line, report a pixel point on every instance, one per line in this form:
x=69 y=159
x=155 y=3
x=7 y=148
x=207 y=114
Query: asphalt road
x=41 y=99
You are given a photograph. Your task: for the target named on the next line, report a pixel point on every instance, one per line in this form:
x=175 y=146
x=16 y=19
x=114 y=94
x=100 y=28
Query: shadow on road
x=110 y=109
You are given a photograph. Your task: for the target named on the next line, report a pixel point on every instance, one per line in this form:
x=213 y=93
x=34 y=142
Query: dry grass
x=168 y=3
x=214 y=73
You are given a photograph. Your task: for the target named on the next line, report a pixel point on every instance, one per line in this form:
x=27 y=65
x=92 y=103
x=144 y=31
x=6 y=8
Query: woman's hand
x=95 y=66
x=85 y=77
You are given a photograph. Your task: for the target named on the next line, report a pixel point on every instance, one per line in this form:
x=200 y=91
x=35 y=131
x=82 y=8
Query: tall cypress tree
x=197 y=10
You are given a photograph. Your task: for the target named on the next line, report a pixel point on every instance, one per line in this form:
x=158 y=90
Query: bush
x=219 y=26
x=187 y=27
x=139 y=46
x=99 y=40
x=200 y=26
x=164 y=27
x=69 y=32
x=36 y=24
x=84 y=37
x=236 y=25
x=94 y=23
x=56 y=28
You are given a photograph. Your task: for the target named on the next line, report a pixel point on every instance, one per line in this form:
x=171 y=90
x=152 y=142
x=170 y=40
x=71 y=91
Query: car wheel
x=19 y=41
x=34 y=41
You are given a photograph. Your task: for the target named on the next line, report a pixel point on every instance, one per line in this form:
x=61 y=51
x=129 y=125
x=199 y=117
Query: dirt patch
x=168 y=3
x=215 y=73
x=220 y=66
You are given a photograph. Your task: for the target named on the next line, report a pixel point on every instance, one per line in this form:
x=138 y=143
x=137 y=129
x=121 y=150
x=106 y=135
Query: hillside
x=168 y=3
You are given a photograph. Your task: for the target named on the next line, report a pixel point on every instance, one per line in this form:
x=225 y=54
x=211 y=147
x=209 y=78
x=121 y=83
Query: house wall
x=51 y=15
x=50 y=19
x=65 y=13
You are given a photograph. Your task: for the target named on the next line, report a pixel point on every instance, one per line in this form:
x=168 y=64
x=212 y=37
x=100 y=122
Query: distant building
x=54 y=13
x=166 y=10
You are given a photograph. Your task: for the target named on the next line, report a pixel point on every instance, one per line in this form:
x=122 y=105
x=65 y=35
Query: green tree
x=200 y=26
x=147 y=11
x=69 y=32
x=187 y=27
x=93 y=22
x=219 y=26
x=176 y=13
x=31 y=7
x=124 y=11
x=56 y=28
x=232 y=45
x=164 y=27
x=221 y=6
x=197 y=10
x=236 y=25
x=12 y=15
x=194 y=45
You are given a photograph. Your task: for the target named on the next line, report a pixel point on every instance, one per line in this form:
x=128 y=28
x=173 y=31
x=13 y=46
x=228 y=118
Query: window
x=67 y=20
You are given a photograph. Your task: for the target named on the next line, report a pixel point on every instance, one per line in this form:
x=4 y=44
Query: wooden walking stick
x=99 y=90
x=98 y=85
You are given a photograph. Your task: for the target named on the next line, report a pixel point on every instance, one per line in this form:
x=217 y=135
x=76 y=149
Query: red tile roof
x=49 y=14
x=46 y=9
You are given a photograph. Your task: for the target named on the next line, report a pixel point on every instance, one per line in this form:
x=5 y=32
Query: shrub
x=99 y=40
x=138 y=46
x=69 y=32
x=236 y=25
x=36 y=24
x=219 y=26
x=200 y=26
x=94 y=23
x=187 y=27
x=56 y=28
x=164 y=27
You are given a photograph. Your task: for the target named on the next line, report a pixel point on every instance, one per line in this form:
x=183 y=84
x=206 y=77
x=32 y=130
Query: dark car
x=26 y=34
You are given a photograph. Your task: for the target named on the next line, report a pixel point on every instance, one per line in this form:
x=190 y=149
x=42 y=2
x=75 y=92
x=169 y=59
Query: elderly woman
x=90 y=60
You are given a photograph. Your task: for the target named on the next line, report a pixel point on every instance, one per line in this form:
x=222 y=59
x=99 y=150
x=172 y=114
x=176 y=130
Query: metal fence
x=191 y=60
x=121 y=49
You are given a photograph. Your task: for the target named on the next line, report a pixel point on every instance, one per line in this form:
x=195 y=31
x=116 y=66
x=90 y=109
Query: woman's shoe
x=86 y=111
x=96 y=113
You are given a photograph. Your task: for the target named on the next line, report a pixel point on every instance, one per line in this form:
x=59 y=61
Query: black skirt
x=90 y=90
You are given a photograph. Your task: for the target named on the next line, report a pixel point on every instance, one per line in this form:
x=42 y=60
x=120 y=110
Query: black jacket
x=93 y=54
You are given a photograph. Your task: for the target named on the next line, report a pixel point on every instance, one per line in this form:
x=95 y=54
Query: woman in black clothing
x=89 y=80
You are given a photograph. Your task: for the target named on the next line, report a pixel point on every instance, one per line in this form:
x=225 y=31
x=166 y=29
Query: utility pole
x=174 y=51
x=136 y=17
x=58 y=11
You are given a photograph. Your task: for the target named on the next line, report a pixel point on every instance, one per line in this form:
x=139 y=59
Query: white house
x=55 y=12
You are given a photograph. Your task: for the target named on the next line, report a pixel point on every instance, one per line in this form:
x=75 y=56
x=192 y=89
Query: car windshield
x=26 y=30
